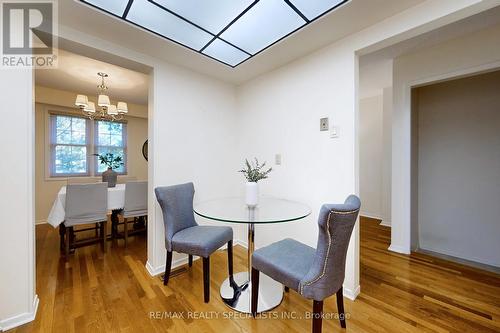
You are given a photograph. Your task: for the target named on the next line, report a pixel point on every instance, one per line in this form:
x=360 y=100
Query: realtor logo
x=28 y=34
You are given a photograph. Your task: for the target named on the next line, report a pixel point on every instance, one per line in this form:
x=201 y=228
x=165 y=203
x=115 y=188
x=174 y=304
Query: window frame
x=96 y=146
x=52 y=144
x=91 y=144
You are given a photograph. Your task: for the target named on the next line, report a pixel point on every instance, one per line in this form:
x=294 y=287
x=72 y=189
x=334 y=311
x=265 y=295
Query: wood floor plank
x=113 y=292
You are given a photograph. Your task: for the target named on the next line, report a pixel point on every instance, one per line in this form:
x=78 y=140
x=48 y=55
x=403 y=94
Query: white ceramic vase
x=252 y=194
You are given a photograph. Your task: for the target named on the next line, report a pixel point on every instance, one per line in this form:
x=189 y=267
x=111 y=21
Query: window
x=74 y=140
x=110 y=138
x=69 y=146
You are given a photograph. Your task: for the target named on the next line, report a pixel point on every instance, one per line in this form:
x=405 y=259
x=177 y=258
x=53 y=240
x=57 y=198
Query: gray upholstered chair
x=314 y=273
x=85 y=204
x=136 y=205
x=184 y=235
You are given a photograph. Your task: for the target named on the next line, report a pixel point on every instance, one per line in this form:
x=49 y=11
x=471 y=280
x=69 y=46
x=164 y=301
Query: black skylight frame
x=215 y=36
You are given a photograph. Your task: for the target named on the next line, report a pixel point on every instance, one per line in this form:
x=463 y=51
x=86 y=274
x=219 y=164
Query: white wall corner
x=385 y=223
x=352 y=294
x=20 y=319
x=240 y=243
x=155 y=271
x=399 y=249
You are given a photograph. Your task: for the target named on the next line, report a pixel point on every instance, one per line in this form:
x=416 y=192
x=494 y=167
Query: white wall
x=386 y=156
x=459 y=168
x=371 y=149
x=468 y=54
x=279 y=113
x=18 y=300
x=194 y=140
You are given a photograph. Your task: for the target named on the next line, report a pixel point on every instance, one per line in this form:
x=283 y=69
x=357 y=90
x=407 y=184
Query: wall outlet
x=323 y=124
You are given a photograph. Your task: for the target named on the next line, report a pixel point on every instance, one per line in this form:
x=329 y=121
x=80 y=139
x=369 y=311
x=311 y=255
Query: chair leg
x=230 y=257
x=168 y=267
x=66 y=244
x=190 y=260
x=317 y=316
x=255 y=291
x=103 y=236
x=206 y=279
x=125 y=230
x=340 y=307
x=287 y=289
x=62 y=232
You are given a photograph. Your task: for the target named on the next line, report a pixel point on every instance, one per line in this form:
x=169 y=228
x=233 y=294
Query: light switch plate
x=277 y=159
x=323 y=124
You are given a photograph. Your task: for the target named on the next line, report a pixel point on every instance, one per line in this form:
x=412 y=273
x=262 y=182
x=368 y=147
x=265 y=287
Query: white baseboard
x=385 y=223
x=352 y=294
x=241 y=243
x=399 y=249
x=37 y=222
x=371 y=215
x=20 y=319
x=154 y=271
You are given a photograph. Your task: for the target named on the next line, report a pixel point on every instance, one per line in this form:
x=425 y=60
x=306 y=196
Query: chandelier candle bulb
x=90 y=107
x=112 y=110
x=122 y=107
x=81 y=101
x=103 y=101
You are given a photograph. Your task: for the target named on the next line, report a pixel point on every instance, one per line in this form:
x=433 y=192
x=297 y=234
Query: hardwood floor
x=114 y=293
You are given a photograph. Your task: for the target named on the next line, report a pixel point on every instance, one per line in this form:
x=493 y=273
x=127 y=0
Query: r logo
x=27 y=28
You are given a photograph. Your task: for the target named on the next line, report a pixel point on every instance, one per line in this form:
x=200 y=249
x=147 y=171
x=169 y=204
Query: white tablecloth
x=116 y=200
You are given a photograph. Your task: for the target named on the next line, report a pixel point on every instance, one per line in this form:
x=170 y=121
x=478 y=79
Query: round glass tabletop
x=269 y=210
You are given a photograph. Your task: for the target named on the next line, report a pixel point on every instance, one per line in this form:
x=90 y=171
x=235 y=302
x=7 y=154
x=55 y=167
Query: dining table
x=116 y=201
x=236 y=291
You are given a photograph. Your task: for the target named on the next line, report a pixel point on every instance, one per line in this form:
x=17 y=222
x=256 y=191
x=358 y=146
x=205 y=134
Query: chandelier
x=106 y=110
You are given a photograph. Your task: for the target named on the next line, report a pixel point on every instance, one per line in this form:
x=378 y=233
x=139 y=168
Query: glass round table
x=236 y=290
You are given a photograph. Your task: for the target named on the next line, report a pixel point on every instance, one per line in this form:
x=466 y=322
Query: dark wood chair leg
x=255 y=291
x=230 y=257
x=66 y=244
x=103 y=236
x=62 y=232
x=206 y=279
x=287 y=289
x=168 y=267
x=340 y=307
x=190 y=260
x=317 y=316
x=125 y=230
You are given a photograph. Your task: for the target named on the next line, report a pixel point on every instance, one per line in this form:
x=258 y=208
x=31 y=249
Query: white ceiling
x=352 y=17
x=79 y=74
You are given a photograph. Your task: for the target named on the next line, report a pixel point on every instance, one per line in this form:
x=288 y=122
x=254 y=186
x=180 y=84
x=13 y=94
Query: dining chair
x=85 y=204
x=184 y=235
x=136 y=206
x=81 y=180
x=314 y=273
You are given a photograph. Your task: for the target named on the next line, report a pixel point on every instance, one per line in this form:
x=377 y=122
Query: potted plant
x=112 y=162
x=253 y=172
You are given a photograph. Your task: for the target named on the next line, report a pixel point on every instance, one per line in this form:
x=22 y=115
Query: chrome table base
x=237 y=294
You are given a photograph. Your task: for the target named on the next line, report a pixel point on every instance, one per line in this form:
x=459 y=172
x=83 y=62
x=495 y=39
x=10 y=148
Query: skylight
x=229 y=31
